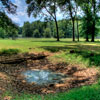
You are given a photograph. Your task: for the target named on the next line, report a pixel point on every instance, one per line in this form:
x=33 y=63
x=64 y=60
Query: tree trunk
x=78 y=37
x=73 y=22
x=57 y=30
x=93 y=32
x=87 y=38
x=94 y=14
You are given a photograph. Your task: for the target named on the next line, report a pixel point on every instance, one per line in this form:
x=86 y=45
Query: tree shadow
x=87 y=52
x=54 y=49
x=54 y=41
x=94 y=58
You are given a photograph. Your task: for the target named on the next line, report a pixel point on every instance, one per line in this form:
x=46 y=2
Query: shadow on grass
x=86 y=52
x=94 y=58
x=54 y=41
x=55 y=49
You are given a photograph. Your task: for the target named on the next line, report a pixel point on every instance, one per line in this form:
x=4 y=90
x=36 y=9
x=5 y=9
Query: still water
x=41 y=77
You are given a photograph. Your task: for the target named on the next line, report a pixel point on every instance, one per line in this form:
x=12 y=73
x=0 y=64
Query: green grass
x=39 y=45
x=84 y=58
x=61 y=51
x=64 y=47
x=9 y=51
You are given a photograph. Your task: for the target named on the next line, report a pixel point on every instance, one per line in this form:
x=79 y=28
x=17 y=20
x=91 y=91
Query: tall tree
x=95 y=9
x=47 y=8
x=77 y=18
x=69 y=6
x=90 y=9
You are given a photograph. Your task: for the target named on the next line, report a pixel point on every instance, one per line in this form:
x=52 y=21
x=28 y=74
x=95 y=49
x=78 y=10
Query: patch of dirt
x=10 y=75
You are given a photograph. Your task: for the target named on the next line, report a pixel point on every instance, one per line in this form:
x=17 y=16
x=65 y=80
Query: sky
x=21 y=15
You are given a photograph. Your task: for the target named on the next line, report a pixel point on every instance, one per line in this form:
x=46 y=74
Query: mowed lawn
x=39 y=45
x=87 y=54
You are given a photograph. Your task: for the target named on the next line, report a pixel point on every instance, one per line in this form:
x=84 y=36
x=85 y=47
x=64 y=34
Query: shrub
x=9 y=51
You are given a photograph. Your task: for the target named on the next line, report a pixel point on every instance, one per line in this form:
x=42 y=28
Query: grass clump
x=9 y=51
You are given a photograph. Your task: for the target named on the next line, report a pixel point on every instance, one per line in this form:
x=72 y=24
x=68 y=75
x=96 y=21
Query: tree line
x=82 y=19
x=39 y=29
x=72 y=8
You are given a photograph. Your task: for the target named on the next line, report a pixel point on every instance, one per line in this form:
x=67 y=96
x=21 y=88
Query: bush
x=9 y=51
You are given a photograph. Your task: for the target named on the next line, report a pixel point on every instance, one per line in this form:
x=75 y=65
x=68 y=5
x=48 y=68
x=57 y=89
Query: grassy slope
x=39 y=45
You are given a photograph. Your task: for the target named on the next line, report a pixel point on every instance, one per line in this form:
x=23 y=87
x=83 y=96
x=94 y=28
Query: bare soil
x=11 y=79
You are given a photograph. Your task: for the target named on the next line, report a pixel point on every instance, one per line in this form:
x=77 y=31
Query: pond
x=42 y=77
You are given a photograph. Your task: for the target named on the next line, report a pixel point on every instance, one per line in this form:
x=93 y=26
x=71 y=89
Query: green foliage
x=13 y=33
x=7 y=27
x=90 y=19
x=65 y=28
x=9 y=51
x=47 y=33
x=36 y=33
x=26 y=30
x=40 y=29
x=2 y=33
x=87 y=22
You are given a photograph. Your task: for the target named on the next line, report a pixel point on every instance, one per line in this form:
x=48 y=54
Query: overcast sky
x=22 y=16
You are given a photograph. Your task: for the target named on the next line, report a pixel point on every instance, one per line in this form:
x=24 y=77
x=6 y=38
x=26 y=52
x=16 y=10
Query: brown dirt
x=11 y=79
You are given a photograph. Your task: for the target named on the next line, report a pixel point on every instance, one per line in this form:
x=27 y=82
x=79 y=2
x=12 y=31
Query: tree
x=2 y=33
x=7 y=24
x=69 y=6
x=13 y=33
x=65 y=26
x=36 y=33
x=77 y=22
x=95 y=6
x=40 y=26
x=5 y=21
x=77 y=18
x=90 y=9
x=47 y=33
x=47 y=8
x=27 y=31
